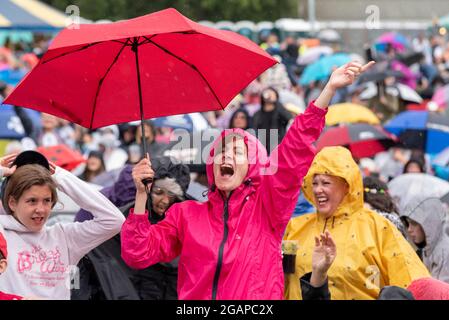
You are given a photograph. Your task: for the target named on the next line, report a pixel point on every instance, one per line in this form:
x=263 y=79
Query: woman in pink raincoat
x=230 y=246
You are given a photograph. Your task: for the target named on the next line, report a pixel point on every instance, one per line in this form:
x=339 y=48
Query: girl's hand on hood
x=5 y=165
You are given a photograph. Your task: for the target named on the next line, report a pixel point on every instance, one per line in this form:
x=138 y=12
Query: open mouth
x=38 y=219
x=226 y=170
x=322 y=200
x=161 y=208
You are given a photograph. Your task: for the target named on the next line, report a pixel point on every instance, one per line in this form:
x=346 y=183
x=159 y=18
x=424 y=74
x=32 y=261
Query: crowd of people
x=162 y=240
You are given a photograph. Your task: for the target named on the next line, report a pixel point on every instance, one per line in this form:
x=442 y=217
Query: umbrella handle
x=147 y=181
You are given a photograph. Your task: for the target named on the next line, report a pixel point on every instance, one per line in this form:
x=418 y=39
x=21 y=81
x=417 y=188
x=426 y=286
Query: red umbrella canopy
x=62 y=156
x=164 y=63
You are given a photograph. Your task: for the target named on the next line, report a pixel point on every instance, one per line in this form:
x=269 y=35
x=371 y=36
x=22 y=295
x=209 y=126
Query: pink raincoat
x=231 y=249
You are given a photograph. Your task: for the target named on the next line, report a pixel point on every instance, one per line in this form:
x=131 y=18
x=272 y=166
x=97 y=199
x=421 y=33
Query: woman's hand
x=346 y=74
x=341 y=77
x=5 y=164
x=142 y=170
x=323 y=256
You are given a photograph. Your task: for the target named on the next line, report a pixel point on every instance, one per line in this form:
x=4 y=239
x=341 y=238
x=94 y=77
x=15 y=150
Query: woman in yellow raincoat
x=371 y=252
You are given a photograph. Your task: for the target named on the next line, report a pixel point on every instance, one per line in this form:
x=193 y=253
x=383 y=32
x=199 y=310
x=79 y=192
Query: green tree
x=214 y=10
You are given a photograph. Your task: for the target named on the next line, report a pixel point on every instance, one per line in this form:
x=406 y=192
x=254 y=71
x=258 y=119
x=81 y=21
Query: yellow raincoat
x=371 y=252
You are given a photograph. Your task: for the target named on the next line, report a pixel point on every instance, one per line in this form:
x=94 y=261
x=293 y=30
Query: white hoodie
x=42 y=263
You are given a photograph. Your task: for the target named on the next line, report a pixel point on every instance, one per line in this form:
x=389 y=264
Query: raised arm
x=107 y=218
x=291 y=160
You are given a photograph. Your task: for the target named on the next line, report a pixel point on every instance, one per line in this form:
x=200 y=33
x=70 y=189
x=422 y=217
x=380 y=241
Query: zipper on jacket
x=221 y=249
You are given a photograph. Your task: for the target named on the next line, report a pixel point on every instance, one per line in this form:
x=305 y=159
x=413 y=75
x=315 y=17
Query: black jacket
x=276 y=119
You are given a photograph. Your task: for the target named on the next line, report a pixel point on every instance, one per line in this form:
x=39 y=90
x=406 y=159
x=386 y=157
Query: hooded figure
x=430 y=214
x=230 y=247
x=371 y=252
x=104 y=275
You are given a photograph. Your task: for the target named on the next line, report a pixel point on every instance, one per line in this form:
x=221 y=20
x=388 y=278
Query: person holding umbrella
x=229 y=246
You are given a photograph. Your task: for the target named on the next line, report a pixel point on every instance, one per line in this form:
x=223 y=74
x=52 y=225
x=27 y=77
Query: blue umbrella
x=10 y=125
x=322 y=68
x=12 y=77
x=442 y=159
x=440 y=164
x=421 y=129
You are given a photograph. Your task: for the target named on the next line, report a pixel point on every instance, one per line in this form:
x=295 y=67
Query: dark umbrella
x=379 y=75
x=421 y=129
x=363 y=140
x=411 y=58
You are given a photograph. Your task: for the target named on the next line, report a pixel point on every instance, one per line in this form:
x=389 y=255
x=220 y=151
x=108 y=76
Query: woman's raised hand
x=346 y=74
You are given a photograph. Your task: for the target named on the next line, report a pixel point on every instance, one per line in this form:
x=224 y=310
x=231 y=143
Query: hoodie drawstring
x=325 y=224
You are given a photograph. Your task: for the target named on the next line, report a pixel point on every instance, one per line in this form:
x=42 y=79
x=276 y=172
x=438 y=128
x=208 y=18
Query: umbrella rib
x=77 y=50
x=190 y=65
x=100 y=83
x=147 y=40
x=120 y=41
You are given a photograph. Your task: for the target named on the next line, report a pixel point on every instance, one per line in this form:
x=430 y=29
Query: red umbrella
x=156 y=65
x=62 y=156
x=363 y=140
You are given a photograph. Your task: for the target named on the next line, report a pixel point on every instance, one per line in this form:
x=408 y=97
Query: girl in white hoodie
x=43 y=259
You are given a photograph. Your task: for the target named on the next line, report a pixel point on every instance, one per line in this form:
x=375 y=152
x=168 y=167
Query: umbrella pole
x=135 y=47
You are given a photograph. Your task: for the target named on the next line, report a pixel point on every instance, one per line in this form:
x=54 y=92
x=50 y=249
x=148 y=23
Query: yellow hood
x=337 y=161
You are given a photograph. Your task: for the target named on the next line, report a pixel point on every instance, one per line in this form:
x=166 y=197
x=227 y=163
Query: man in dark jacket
x=103 y=274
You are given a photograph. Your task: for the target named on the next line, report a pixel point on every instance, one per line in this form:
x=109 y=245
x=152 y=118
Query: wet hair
x=417 y=161
x=375 y=193
x=23 y=179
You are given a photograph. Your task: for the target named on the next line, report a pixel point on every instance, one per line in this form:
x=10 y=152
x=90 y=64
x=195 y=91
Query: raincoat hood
x=164 y=167
x=337 y=161
x=430 y=214
x=257 y=159
x=230 y=248
x=366 y=241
